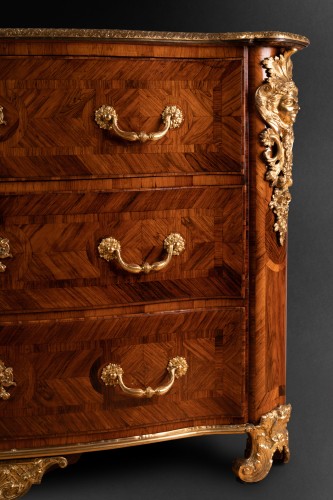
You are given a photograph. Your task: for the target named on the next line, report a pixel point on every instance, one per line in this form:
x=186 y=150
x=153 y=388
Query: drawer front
x=60 y=395
x=54 y=242
x=49 y=106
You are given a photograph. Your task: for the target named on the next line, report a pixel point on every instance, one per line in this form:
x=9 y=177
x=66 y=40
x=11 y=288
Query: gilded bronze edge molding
x=277 y=103
x=272 y=422
x=152 y=35
x=268 y=440
x=124 y=442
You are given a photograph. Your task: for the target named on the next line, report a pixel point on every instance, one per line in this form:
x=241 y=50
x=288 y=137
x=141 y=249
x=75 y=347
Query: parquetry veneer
x=111 y=336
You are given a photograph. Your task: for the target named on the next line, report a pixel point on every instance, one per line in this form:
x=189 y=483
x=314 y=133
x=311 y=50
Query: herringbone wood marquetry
x=66 y=184
x=52 y=134
x=55 y=237
x=60 y=395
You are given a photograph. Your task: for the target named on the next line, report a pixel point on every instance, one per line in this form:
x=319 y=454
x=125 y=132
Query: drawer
x=58 y=368
x=49 y=106
x=56 y=264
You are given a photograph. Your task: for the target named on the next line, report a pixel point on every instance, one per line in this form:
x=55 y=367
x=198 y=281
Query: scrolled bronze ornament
x=6 y=380
x=4 y=252
x=17 y=477
x=277 y=103
x=265 y=440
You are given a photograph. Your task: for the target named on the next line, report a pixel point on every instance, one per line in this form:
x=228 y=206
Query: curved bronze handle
x=109 y=249
x=4 y=252
x=106 y=117
x=112 y=374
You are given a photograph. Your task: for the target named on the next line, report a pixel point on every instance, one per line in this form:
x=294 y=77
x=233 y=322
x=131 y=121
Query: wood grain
x=55 y=236
x=59 y=397
x=50 y=103
x=66 y=184
x=267 y=321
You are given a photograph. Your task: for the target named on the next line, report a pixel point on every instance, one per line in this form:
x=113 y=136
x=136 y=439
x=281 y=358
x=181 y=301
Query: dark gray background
x=193 y=469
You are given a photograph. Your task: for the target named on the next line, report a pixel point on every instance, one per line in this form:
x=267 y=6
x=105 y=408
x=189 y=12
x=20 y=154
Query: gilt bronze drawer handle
x=109 y=249
x=4 y=252
x=106 y=117
x=6 y=380
x=112 y=374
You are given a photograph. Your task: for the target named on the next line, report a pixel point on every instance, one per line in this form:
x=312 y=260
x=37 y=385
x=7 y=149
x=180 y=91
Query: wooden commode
x=145 y=181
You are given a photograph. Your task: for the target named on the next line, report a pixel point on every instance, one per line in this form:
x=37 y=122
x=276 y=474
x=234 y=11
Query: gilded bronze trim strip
x=266 y=441
x=279 y=416
x=123 y=442
x=150 y=36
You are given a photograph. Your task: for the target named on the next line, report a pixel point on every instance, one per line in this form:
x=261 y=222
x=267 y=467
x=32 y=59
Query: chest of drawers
x=144 y=181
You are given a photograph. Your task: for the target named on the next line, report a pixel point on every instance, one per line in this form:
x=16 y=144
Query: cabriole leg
x=268 y=438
